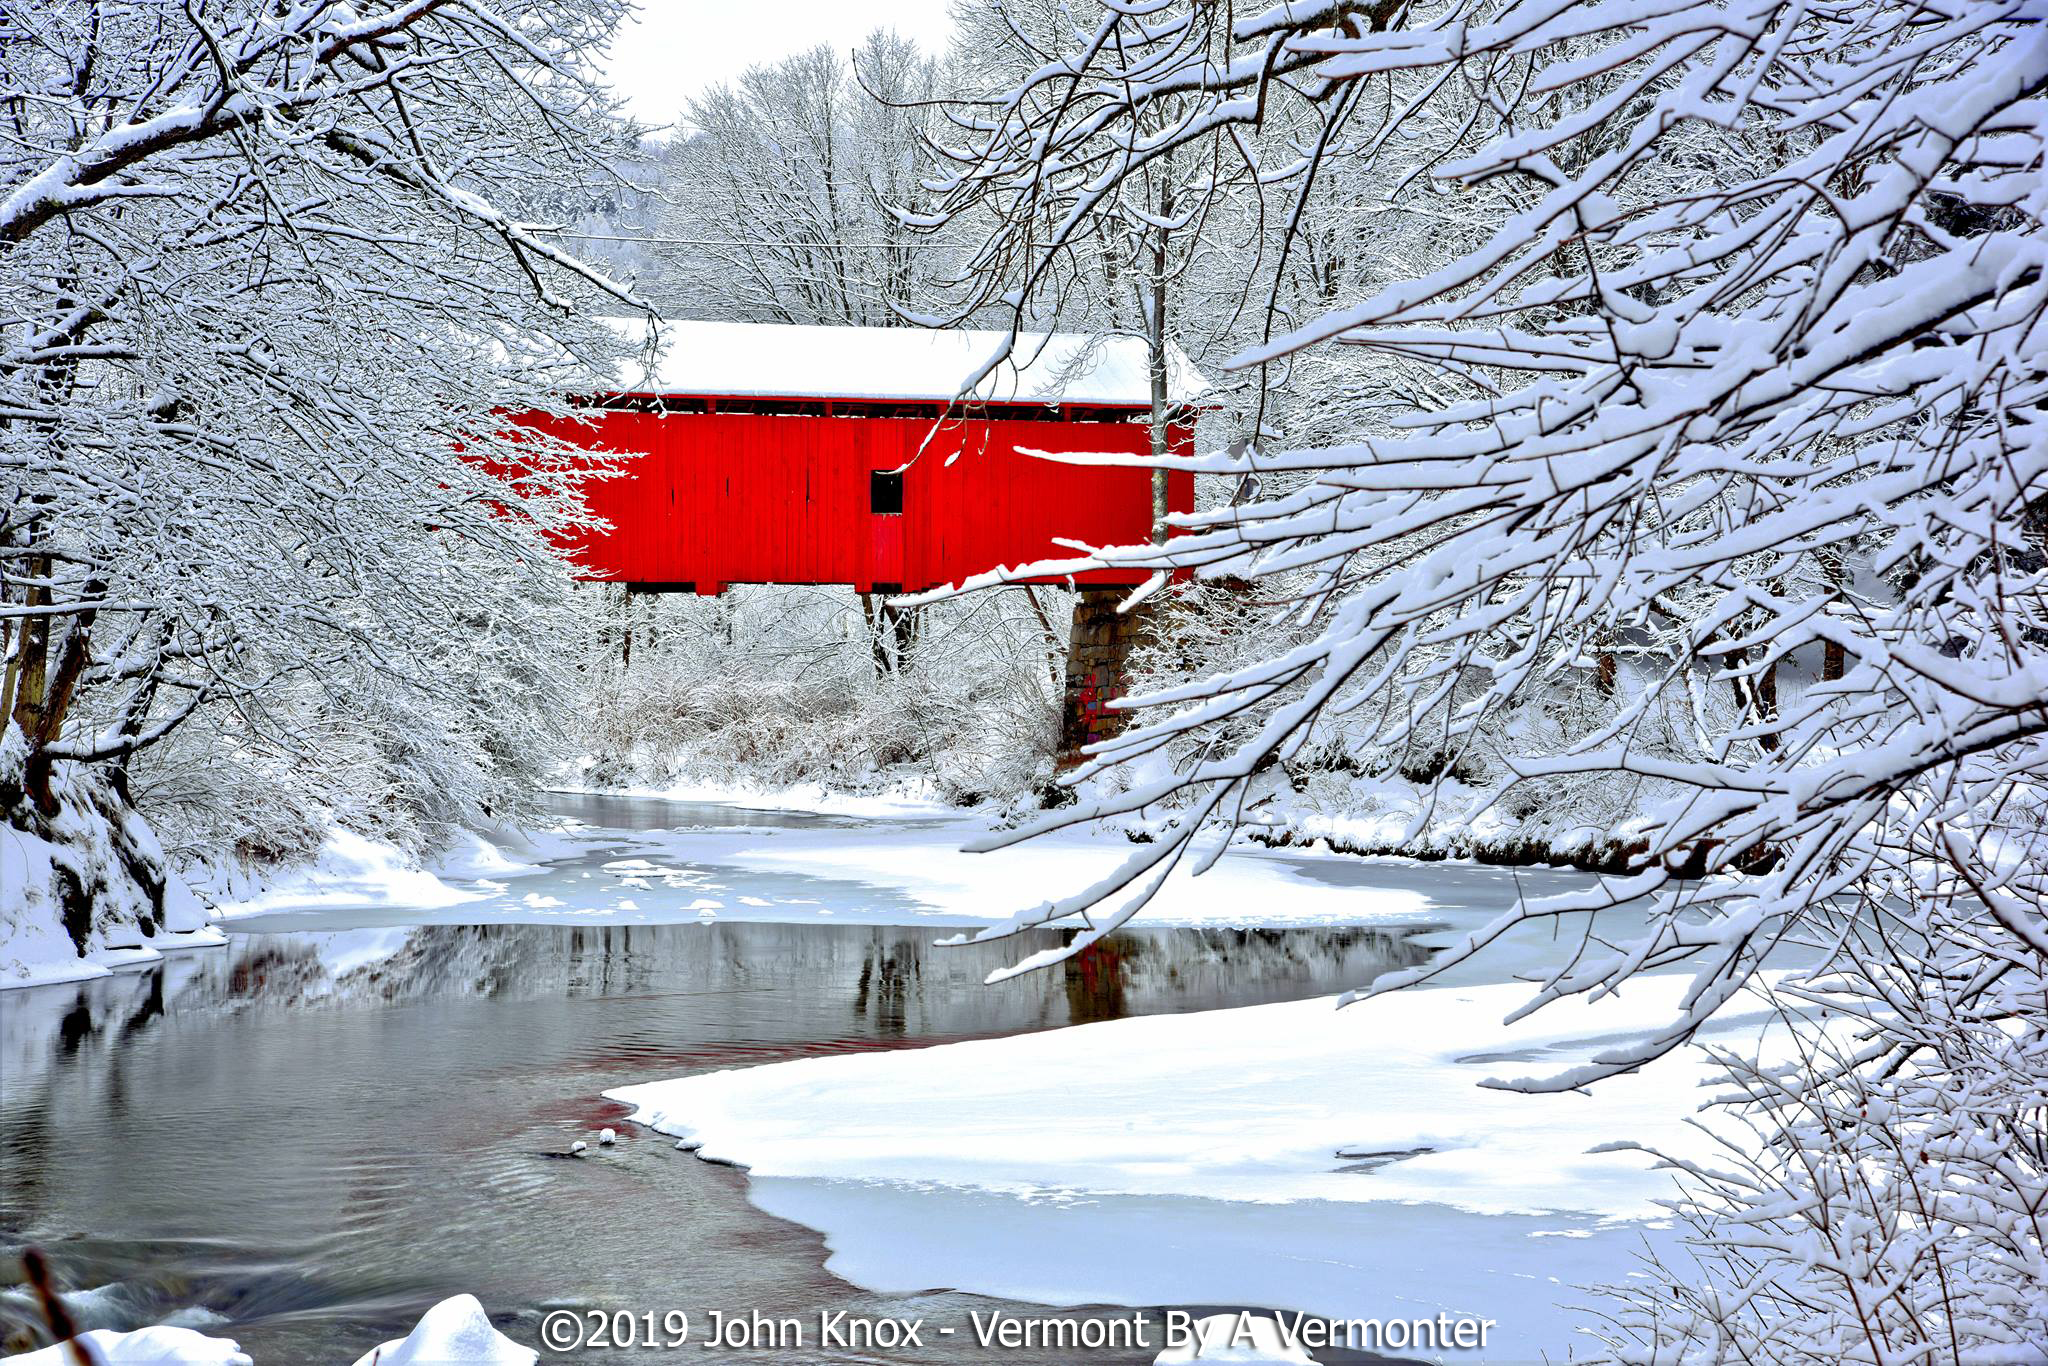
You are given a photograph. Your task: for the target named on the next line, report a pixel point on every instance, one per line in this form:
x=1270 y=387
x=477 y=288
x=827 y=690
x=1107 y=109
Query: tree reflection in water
x=312 y=1133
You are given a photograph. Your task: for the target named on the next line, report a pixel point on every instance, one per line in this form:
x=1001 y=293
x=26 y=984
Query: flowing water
x=304 y=1139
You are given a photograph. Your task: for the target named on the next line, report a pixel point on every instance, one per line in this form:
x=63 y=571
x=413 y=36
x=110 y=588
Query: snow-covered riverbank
x=810 y=857
x=680 y=860
x=85 y=890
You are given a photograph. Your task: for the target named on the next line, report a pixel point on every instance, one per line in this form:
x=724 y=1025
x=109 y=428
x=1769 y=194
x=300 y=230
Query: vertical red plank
x=947 y=504
x=763 y=473
x=914 y=526
x=688 y=457
x=922 y=442
x=801 y=496
x=789 y=504
x=825 y=509
x=919 y=489
x=691 y=538
x=830 y=513
x=792 y=448
x=712 y=456
x=742 y=530
x=850 y=523
x=760 y=472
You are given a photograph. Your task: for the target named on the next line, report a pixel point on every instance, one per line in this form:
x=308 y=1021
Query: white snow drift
x=1262 y=1103
x=893 y=872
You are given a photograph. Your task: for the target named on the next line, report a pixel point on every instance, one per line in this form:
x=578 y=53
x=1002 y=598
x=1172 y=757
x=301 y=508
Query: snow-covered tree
x=1714 y=424
x=1879 y=1197
x=1734 y=425
x=271 y=279
x=778 y=191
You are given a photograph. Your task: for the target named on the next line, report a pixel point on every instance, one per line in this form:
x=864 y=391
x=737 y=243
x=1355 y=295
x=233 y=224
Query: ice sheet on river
x=1290 y=1156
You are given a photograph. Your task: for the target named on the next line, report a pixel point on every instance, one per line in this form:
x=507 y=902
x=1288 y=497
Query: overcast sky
x=678 y=47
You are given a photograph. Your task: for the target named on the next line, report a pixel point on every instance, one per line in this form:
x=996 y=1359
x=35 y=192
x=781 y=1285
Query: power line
x=912 y=244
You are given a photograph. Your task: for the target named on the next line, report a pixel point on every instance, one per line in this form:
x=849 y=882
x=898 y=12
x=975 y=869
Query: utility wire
x=908 y=245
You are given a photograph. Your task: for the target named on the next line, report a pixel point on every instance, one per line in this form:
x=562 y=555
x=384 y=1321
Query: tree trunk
x=28 y=668
x=892 y=633
x=1155 y=355
x=878 y=651
x=1767 y=704
x=1834 y=660
x=45 y=697
x=1757 y=695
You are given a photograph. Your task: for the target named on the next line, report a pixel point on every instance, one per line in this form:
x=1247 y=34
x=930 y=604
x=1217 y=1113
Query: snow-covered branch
x=1739 y=400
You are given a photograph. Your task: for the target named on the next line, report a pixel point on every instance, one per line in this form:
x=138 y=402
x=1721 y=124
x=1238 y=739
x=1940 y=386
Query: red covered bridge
x=839 y=455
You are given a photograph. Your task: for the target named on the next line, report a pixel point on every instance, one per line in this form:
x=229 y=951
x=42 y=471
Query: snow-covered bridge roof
x=773 y=360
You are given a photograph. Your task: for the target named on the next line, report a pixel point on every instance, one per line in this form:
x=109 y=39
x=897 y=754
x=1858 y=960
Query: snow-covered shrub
x=1884 y=1198
x=463 y=741
x=777 y=687
x=1428 y=785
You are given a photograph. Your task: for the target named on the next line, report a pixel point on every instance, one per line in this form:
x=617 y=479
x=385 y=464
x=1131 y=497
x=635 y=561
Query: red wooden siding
x=719 y=498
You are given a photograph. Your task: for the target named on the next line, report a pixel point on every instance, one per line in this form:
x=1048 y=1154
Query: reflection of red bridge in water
x=821 y=455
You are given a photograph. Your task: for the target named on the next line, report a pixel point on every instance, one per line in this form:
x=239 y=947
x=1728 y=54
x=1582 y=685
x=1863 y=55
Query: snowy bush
x=1884 y=1198
x=777 y=687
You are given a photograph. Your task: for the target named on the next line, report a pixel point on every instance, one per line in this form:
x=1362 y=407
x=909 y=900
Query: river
x=303 y=1140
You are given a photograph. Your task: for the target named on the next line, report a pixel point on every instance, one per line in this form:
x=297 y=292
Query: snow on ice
x=353 y=872
x=1294 y=1156
x=898 y=871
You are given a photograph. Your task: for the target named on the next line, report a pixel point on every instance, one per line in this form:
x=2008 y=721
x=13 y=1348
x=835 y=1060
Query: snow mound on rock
x=161 y=1345
x=456 y=1329
x=1243 y=1339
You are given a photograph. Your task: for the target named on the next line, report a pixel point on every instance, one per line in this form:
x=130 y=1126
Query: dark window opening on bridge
x=885 y=492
